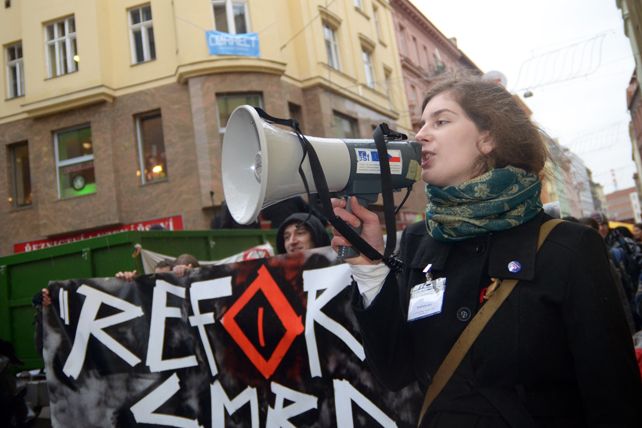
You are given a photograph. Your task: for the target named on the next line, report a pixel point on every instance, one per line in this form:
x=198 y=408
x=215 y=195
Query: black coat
x=557 y=353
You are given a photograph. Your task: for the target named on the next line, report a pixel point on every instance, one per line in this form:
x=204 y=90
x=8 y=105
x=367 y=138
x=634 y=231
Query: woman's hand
x=360 y=216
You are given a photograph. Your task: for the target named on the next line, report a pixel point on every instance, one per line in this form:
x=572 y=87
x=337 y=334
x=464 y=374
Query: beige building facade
x=114 y=110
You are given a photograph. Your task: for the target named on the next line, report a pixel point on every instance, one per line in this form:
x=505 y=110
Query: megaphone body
x=260 y=165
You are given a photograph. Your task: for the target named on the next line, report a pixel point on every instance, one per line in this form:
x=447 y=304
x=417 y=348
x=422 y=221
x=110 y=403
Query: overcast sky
x=571 y=54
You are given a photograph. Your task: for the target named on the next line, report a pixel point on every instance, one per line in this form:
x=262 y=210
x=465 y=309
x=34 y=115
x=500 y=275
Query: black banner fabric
x=269 y=342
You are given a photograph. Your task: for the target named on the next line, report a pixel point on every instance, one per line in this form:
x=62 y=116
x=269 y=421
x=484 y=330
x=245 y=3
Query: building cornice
x=77 y=99
x=229 y=65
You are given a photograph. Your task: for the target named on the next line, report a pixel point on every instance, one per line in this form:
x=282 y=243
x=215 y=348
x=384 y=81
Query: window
x=230 y=16
x=440 y=67
x=296 y=113
x=61 y=47
x=416 y=45
x=74 y=162
x=358 y=4
x=413 y=96
x=15 y=71
x=426 y=58
x=402 y=40
x=19 y=175
x=367 y=66
x=141 y=34
x=387 y=73
x=152 y=163
x=377 y=22
x=345 y=126
x=331 y=46
x=228 y=102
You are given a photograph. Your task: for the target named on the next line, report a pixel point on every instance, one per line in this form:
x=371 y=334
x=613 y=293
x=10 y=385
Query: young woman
x=557 y=353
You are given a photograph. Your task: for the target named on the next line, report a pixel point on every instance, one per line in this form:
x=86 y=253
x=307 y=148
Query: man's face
x=297 y=237
x=604 y=229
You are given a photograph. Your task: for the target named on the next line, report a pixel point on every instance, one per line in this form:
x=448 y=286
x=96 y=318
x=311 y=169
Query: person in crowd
x=557 y=352
x=617 y=273
x=161 y=266
x=627 y=257
x=184 y=263
x=590 y=222
x=300 y=231
x=637 y=233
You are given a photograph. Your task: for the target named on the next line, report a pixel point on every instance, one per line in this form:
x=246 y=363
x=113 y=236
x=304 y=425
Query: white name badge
x=426 y=299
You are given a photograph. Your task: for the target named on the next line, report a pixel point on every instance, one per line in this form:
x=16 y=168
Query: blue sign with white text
x=220 y=43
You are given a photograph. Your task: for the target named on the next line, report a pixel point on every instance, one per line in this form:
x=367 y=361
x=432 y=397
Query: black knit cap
x=320 y=237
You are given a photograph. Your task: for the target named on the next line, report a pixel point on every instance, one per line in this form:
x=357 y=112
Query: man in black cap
x=300 y=231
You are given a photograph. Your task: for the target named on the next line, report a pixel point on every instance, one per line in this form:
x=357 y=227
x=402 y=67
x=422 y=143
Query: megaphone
x=260 y=165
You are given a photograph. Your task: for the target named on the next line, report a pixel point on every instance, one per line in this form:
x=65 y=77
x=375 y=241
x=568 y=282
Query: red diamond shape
x=284 y=311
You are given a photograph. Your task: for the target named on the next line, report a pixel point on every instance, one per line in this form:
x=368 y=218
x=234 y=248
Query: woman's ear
x=486 y=143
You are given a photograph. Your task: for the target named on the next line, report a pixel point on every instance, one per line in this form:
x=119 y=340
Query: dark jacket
x=320 y=237
x=557 y=353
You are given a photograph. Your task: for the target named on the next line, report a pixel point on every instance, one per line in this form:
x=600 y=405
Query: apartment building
x=114 y=110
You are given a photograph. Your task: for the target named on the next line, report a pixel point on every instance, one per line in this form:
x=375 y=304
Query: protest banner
x=267 y=342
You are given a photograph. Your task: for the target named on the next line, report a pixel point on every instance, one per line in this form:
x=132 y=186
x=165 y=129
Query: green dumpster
x=23 y=275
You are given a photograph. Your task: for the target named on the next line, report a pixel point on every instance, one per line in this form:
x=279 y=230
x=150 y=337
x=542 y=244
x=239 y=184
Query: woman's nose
x=423 y=134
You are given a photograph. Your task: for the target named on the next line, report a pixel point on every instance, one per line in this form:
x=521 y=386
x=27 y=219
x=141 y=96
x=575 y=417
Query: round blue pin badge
x=514 y=266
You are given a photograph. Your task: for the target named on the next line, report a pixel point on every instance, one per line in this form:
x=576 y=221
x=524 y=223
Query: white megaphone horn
x=260 y=165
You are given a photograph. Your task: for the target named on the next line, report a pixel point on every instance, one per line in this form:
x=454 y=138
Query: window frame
x=229 y=14
x=331 y=45
x=140 y=142
x=368 y=67
x=55 y=66
x=148 y=43
x=13 y=173
x=73 y=161
x=18 y=64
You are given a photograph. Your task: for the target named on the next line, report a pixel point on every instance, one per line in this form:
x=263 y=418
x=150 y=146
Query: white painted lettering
x=203 y=290
x=160 y=311
x=333 y=279
x=88 y=326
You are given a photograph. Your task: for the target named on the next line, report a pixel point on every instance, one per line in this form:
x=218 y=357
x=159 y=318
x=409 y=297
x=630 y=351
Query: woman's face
x=451 y=144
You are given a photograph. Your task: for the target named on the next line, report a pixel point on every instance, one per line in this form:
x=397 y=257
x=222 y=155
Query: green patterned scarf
x=497 y=200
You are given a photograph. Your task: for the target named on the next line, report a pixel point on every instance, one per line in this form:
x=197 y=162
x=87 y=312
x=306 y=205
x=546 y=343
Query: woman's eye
x=440 y=122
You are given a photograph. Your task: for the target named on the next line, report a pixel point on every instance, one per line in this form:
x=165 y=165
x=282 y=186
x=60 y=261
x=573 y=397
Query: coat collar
x=518 y=244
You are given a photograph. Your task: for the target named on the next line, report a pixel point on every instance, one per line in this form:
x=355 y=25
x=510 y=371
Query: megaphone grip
x=345 y=252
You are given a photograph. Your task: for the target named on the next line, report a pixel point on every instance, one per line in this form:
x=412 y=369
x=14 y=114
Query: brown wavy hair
x=518 y=141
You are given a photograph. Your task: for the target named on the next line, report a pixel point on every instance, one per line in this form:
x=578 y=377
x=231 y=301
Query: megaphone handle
x=344 y=252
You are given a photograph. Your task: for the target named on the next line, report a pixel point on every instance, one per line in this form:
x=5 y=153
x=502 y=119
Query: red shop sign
x=169 y=223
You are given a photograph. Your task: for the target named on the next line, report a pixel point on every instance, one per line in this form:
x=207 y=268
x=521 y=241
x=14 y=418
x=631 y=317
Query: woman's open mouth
x=426 y=159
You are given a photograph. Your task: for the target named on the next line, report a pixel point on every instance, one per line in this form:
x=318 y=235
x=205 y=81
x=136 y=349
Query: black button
x=480 y=248
x=463 y=314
